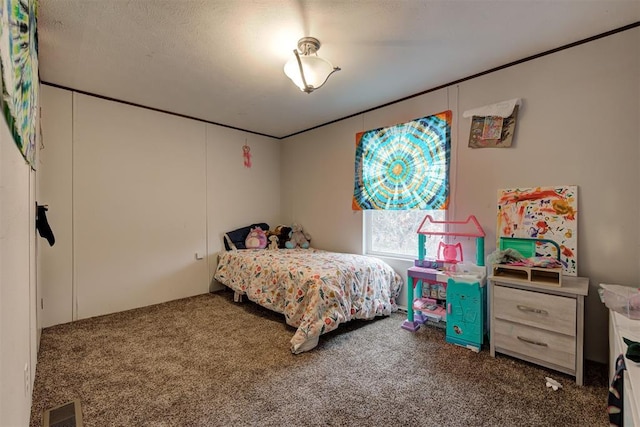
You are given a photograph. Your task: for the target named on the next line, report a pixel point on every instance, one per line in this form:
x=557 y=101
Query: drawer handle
x=532 y=310
x=530 y=341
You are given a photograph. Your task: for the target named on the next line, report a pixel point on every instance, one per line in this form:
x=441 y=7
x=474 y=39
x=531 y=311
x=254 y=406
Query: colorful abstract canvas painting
x=405 y=166
x=542 y=213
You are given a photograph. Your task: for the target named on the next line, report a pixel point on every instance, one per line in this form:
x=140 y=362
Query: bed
x=316 y=290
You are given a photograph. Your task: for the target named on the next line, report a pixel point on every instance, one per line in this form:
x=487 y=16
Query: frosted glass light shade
x=316 y=71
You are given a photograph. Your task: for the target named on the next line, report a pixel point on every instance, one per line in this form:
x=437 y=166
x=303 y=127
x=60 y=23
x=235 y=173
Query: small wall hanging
x=246 y=154
x=493 y=125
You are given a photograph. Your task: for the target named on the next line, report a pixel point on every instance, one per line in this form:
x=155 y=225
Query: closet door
x=139 y=207
x=55 y=183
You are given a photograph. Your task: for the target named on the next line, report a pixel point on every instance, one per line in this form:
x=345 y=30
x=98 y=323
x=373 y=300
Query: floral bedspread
x=315 y=290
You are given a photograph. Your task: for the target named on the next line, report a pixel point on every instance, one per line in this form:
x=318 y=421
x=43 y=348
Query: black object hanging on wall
x=42 y=225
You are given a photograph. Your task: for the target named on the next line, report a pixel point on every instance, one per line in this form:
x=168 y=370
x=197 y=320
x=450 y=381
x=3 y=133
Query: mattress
x=315 y=290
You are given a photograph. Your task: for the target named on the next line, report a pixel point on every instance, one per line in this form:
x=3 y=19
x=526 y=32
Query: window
x=394 y=233
x=402 y=174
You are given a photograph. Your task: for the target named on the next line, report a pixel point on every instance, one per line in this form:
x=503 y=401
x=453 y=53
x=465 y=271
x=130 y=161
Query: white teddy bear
x=273 y=241
x=297 y=238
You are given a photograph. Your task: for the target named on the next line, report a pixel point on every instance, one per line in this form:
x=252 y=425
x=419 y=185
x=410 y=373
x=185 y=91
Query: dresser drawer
x=550 y=312
x=540 y=344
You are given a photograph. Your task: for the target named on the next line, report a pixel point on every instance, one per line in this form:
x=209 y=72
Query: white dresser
x=539 y=323
x=619 y=327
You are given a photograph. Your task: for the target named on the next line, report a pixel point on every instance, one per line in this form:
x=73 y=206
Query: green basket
x=526 y=247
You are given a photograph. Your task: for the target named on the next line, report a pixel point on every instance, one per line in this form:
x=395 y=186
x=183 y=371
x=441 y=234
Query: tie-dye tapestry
x=405 y=166
x=19 y=70
x=542 y=213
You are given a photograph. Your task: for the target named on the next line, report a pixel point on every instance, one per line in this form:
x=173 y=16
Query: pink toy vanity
x=460 y=284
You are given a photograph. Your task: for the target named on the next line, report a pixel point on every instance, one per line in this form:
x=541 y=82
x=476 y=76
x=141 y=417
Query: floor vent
x=67 y=415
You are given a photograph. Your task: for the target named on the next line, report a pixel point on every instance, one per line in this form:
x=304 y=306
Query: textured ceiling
x=222 y=60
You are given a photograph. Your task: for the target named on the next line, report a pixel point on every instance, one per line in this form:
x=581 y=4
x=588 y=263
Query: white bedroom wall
x=317 y=186
x=236 y=195
x=133 y=194
x=139 y=211
x=578 y=126
x=17 y=283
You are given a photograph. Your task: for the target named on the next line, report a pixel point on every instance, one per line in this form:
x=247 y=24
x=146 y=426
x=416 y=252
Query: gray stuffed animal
x=297 y=238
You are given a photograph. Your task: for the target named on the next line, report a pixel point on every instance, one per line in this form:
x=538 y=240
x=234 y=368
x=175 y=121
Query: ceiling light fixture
x=307 y=70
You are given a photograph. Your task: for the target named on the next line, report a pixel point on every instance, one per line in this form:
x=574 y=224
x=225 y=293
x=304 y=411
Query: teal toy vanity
x=461 y=300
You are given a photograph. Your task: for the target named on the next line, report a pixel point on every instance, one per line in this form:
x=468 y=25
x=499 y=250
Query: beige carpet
x=207 y=361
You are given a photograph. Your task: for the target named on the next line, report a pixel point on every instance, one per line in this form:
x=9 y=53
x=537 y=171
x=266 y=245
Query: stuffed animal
x=256 y=239
x=282 y=232
x=297 y=238
x=273 y=241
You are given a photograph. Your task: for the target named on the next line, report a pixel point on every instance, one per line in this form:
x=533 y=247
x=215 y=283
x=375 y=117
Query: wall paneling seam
x=74 y=275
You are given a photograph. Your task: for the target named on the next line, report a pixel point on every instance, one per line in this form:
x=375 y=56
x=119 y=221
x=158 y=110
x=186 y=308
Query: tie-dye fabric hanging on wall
x=542 y=213
x=19 y=69
x=405 y=166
